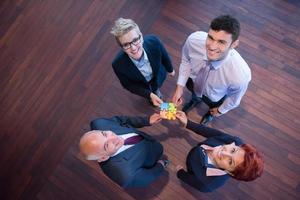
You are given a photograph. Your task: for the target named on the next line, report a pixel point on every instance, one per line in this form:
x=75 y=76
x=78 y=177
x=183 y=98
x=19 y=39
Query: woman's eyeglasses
x=134 y=42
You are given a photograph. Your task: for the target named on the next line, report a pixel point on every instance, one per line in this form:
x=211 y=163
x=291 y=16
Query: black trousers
x=205 y=99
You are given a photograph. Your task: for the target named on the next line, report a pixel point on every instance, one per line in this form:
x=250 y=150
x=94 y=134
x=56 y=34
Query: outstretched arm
x=124 y=121
x=138 y=122
x=184 y=73
x=234 y=97
x=211 y=132
x=130 y=85
x=204 y=130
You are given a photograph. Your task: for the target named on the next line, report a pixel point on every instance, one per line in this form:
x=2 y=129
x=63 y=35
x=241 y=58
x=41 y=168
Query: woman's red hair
x=252 y=166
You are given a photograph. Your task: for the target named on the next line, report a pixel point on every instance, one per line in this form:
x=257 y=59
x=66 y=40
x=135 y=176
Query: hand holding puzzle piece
x=168 y=111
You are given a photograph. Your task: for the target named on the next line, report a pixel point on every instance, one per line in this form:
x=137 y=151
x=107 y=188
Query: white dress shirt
x=211 y=169
x=143 y=66
x=230 y=76
x=124 y=147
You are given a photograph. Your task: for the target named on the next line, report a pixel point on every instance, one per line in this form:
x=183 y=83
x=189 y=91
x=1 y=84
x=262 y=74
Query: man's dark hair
x=228 y=24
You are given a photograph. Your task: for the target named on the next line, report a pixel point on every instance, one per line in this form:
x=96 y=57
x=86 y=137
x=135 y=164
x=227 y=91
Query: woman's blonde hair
x=123 y=26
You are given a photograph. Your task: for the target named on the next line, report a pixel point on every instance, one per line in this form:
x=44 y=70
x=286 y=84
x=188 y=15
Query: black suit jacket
x=196 y=167
x=136 y=166
x=132 y=79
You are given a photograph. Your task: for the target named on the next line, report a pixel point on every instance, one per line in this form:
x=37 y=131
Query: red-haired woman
x=219 y=157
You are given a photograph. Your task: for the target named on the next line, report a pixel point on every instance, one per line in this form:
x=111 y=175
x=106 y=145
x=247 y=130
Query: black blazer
x=132 y=79
x=136 y=166
x=196 y=167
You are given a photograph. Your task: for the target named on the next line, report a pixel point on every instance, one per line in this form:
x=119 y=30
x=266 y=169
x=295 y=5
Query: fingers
x=155 y=118
x=214 y=112
x=157 y=101
x=157 y=115
x=179 y=167
x=177 y=101
x=175 y=98
x=180 y=114
x=156 y=121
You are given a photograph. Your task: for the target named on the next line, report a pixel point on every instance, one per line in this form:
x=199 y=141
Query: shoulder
x=119 y=58
x=238 y=67
x=112 y=124
x=152 y=42
x=196 y=37
x=196 y=41
x=99 y=123
x=101 y=120
x=151 y=38
x=223 y=139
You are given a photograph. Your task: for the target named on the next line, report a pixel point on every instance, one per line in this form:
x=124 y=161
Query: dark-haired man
x=212 y=70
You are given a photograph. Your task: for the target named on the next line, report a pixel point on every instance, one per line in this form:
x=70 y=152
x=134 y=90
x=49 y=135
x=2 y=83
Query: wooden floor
x=55 y=77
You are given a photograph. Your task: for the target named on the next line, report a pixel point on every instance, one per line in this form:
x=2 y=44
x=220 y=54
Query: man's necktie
x=201 y=79
x=133 y=140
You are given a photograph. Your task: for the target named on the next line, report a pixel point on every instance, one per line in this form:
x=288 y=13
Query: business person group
x=213 y=71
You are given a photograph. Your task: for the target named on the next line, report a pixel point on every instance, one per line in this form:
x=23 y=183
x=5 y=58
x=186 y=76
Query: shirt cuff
x=182 y=81
x=222 y=110
x=190 y=124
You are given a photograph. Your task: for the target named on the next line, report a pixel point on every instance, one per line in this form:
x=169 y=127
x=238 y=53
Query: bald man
x=135 y=164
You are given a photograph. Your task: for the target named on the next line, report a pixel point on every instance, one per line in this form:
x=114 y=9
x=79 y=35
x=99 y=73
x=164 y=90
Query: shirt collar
x=142 y=61
x=211 y=170
x=217 y=63
x=124 y=147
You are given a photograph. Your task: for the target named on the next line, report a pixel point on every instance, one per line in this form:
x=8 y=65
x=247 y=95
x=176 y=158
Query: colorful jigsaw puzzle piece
x=164 y=106
x=168 y=111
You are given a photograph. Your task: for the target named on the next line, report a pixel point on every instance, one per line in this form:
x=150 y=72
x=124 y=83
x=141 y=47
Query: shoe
x=187 y=107
x=165 y=163
x=206 y=118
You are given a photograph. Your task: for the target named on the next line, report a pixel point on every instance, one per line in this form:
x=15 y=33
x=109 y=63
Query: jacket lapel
x=132 y=152
x=153 y=59
x=132 y=70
